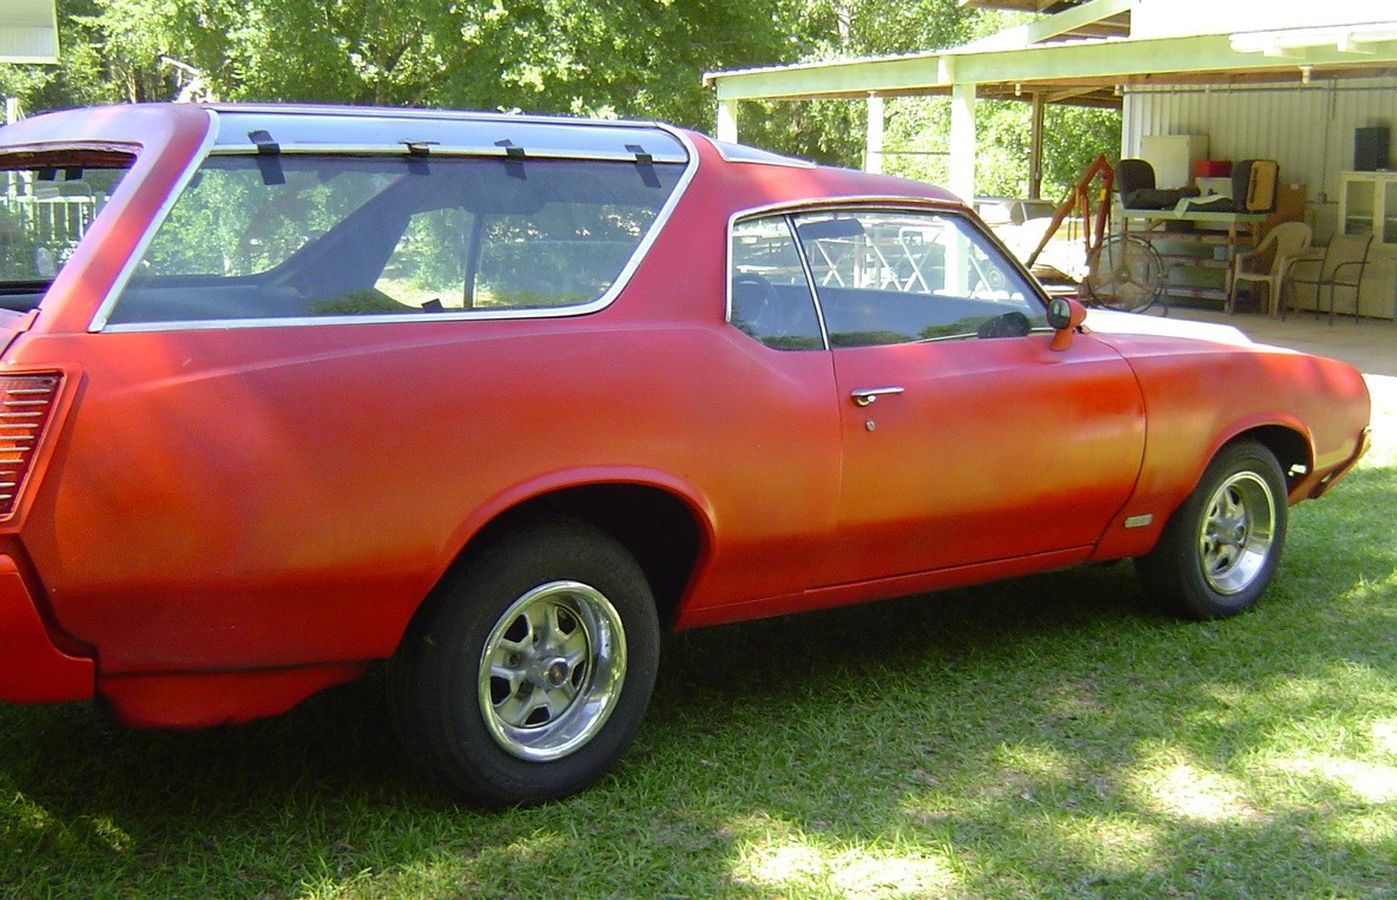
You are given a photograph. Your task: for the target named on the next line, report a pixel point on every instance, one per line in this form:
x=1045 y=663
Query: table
x=1242 y=228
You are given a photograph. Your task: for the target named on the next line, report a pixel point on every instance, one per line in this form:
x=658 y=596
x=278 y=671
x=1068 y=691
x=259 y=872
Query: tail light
x=26 y=407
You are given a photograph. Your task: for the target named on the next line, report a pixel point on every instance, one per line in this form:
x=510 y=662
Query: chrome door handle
x=865 y=396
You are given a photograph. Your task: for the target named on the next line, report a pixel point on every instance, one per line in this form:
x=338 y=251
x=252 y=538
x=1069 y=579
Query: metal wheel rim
x=1238 y=529
x=551 y=670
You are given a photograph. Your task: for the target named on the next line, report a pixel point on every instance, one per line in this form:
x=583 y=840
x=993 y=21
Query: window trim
x=785 y=217
x=99 y=323
x=867 y=204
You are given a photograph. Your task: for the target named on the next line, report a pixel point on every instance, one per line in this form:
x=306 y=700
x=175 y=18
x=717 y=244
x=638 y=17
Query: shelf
x=1200 y=292
x=1368 y=204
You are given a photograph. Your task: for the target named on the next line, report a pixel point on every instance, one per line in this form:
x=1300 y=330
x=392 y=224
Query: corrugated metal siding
x=1307 y=129
x=24 y=44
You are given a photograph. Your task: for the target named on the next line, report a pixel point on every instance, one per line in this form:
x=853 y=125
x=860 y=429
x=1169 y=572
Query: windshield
x=45 y=210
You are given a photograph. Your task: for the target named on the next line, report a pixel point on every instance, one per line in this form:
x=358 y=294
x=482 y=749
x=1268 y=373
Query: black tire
x=1219 y=550
x=526 y=599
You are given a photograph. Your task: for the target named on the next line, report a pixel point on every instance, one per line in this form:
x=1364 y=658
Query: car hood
x=1106 y=321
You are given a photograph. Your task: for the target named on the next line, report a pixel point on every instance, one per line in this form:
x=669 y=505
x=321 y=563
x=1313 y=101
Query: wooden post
x=873 y=144
x=1035 y=149
x=727 y=120
x=963 y=140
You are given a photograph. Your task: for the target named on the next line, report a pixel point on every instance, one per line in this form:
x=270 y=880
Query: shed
x=1290 y=80
x=29 y=31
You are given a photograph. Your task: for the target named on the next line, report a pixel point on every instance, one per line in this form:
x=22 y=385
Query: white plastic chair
x=1289 y=241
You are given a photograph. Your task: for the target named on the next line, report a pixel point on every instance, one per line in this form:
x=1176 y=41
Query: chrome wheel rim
x=551 y=670
x=1238 y=529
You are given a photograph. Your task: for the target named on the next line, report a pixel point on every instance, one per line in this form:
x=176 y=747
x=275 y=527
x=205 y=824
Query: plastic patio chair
x=1342 y=267
x=1285 y=242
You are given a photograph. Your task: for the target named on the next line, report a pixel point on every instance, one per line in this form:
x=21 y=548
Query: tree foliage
x=631 y=58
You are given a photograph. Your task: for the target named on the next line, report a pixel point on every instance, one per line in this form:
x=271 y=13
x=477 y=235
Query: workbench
x=1241 y=229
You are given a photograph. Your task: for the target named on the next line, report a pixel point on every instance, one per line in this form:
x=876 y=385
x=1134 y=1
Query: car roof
x=242 y=128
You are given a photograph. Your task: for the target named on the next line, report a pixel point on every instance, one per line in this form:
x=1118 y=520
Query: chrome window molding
x=437 y=150
x=744 y=216
x=809 y=278
x=950 y=206
x=788 y=209
x=99 y=321
x=451 y=115
x=734 y=153
x=118 y=285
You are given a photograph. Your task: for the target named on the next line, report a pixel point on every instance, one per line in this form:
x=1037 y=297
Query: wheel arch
x=660 y=521
x=1288 y=442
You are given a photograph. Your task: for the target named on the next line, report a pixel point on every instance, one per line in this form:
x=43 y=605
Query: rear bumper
x=32 y=668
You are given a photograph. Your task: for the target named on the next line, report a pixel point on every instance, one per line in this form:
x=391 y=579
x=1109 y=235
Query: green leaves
x=608 y=58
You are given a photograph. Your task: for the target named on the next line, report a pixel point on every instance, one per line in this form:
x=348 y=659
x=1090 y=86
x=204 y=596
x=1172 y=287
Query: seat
x=1260 y=196
x=1284 y=243
x=1136 y=185
x=1341 y=267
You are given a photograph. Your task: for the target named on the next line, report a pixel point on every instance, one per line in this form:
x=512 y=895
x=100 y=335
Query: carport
x=28 y=34
x=1282 y=80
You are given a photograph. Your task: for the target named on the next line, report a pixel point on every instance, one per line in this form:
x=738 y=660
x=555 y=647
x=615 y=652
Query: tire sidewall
x=1194 y=597
x=443 y=658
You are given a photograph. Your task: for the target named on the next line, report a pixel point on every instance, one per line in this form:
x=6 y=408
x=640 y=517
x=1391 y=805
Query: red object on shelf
x=1212 y=168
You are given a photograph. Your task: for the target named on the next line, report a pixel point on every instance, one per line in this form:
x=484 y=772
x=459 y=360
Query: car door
x=966 y=438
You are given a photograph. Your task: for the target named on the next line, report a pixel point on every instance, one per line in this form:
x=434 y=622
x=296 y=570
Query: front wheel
x=525 y=678
x=1219 y=550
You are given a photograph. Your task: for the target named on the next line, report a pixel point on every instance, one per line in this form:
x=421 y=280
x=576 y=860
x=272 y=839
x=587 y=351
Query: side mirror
x=1065 y=315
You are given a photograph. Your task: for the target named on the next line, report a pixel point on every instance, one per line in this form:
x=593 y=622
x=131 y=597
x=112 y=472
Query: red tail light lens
x=26 y=406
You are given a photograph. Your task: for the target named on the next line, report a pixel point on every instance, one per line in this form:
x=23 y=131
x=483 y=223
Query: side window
x=382 y=235
x=771 y=299
x=429 y=262
x=900 y=277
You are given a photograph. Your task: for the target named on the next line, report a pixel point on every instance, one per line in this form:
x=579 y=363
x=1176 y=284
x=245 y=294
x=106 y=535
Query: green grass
x=1051 y=735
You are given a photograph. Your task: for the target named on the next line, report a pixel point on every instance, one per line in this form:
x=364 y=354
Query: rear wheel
x=524 y=680
x=1219 y=551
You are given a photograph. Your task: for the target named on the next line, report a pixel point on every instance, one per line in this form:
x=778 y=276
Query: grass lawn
x=1051 y=735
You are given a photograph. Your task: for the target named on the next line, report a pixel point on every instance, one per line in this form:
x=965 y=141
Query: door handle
x=865 y=396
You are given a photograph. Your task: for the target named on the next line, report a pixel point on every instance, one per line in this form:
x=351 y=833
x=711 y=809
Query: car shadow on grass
x=1051 y=733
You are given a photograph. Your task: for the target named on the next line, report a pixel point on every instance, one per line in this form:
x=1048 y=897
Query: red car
x=291 y=391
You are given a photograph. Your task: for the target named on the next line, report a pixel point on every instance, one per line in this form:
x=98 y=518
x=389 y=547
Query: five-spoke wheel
x=1220 y=548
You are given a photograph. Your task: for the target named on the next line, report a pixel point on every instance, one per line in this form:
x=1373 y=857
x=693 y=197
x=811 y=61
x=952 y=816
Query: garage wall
x=1308 y=129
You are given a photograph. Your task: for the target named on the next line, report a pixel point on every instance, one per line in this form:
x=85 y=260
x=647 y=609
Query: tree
x=633 y=58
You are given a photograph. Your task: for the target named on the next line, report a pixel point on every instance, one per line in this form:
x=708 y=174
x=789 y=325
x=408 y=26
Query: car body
x=293 y=390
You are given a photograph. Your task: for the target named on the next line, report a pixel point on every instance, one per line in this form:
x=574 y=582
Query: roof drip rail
x=268 y=156
x=645 y=163
x=417 y=154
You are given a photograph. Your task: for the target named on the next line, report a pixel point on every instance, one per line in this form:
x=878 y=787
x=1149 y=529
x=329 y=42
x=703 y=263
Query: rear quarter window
x=331 y=236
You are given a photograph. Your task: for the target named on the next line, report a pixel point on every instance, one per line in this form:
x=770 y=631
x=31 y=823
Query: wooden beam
x=1159 y=60
x=1035 y=149
x=1079 y=16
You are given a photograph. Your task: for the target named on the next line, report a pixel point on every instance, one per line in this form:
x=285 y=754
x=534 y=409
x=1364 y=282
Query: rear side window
x=46 y=206
x=306 y=236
